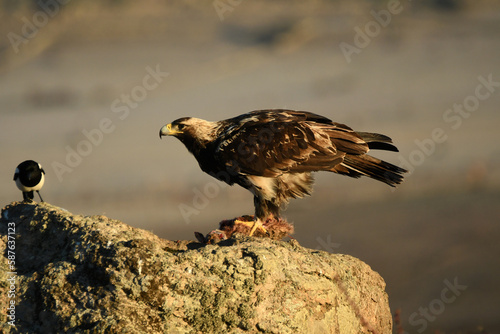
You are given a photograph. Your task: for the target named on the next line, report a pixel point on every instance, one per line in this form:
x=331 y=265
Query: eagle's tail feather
x=365 y=165
x=376 y=141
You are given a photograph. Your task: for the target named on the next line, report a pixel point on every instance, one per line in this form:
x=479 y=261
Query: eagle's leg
x=264 y=210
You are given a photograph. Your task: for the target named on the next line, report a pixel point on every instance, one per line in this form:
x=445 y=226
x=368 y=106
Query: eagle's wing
x=272 y=142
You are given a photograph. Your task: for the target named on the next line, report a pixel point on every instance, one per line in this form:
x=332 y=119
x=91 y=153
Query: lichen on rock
x=95 y=274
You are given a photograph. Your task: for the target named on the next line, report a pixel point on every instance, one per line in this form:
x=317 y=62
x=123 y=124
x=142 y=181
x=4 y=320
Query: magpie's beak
x=169 y=130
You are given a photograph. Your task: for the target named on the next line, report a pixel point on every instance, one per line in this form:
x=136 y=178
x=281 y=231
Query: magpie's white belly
x=24 y=188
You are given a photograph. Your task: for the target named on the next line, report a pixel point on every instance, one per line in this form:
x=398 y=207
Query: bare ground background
x=78 y=66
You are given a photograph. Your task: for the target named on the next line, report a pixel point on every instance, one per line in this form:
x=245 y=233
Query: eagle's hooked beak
x=169 y=130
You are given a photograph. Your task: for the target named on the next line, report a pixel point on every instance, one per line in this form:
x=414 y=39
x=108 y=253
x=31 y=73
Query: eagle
x=274 y=152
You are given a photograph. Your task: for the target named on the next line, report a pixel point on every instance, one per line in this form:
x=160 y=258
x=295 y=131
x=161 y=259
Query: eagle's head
x=177 y=128
x=190 y=130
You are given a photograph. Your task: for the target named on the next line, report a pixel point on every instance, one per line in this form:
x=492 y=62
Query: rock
x=98 y=275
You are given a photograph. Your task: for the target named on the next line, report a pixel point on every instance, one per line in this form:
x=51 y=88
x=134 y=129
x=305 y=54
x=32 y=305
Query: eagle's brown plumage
x=273 y=152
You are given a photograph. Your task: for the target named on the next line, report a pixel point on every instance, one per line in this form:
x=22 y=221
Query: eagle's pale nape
x=273 y=152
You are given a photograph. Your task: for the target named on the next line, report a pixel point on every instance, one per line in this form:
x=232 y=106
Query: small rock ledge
x=93 y=274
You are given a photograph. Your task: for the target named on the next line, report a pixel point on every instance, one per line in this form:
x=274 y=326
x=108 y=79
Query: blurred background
x=86 y=86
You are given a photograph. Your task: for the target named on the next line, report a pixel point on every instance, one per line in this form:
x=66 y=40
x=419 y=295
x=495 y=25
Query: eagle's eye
x=180 y=126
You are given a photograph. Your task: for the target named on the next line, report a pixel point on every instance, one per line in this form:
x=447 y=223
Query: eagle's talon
x=257 y=225
x=254 y=225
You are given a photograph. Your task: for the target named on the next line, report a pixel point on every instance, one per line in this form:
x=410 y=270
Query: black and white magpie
x=29 y=177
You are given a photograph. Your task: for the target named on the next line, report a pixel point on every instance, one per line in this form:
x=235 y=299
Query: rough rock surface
x=95 y=274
